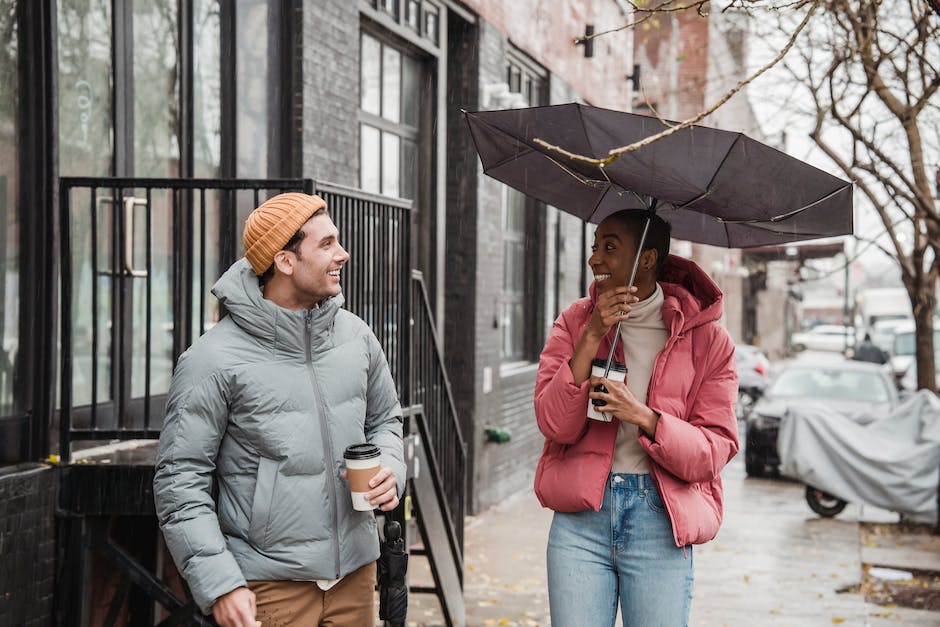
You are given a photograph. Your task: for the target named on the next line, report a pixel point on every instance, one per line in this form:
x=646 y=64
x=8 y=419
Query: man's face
x=613 y=252
x=319 y=260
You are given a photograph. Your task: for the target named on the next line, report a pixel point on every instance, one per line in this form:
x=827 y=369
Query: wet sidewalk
x=773 y=563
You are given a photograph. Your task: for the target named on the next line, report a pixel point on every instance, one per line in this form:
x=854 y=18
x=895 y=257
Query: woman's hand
x=611 y=307
x=623 y=405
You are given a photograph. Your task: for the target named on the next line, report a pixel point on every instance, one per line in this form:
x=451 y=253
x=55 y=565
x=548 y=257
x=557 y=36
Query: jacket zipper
x=327 y=446
x=654 y=469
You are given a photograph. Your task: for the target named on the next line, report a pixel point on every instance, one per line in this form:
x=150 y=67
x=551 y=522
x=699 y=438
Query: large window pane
x=370 y=75
x=409 y=169
x=257 y=86
x=207 y=86
x=85 y=127
x=9 y=223
x=391 y=169
x=410 y=94
x=156 y=89
x=84 y=85
x=369 y=159
x=391 y=84
x=207 y=150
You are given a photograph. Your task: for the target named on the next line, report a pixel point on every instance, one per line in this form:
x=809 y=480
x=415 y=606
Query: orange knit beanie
x=270 y=226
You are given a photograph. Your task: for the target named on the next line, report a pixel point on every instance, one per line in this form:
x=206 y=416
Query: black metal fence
x=138 y=258
x=376 y=231
x=431 y=389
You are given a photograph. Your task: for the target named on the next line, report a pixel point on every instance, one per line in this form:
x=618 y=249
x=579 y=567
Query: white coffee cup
x=362 y=463
x=618 y=372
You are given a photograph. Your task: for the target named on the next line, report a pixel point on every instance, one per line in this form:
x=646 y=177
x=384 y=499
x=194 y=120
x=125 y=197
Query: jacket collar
x=691 y=297
x=281 y=330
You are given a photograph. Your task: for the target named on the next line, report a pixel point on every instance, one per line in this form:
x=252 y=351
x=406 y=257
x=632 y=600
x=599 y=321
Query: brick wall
x=487 y=285
x=331 y=91
x=27 y=544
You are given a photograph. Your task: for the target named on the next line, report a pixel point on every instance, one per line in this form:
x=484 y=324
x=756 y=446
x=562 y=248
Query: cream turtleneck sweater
x=643 y=335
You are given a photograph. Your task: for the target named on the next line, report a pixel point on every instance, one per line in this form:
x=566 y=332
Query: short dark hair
x=293 y=245
x=657 y=237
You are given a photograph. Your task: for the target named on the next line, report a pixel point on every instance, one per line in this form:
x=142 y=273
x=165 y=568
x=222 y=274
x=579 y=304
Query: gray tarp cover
x=887 y=461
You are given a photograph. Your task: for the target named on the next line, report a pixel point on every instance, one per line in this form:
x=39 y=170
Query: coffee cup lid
x=361 y=451
x=615 y=366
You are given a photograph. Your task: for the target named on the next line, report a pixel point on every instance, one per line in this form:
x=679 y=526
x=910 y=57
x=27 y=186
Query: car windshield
x=832 y=383
x=904 y=342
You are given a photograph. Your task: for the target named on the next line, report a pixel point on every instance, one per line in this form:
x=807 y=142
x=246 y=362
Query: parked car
x=903 y=360
x=824 y=337
x=753 y=375
x=847 y=387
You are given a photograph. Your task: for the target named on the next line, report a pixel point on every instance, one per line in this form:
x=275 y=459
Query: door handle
x=129 y=203
x=128 y=270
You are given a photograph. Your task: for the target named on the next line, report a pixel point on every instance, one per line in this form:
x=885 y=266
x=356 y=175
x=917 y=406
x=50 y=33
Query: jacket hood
x=282 y=330
x=688 y=291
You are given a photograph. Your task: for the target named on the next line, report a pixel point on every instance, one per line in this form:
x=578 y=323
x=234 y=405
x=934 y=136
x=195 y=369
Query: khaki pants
x=350 y=603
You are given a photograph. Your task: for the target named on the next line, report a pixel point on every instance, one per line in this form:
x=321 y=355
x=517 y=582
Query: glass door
x=121 y=112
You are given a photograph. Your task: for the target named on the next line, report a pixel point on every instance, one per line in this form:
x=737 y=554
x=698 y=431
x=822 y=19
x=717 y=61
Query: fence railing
x=430 y=388
x=137 y=260
x=376 y=231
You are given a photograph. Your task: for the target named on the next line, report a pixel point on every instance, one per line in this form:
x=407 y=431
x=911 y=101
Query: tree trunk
x=923 y=319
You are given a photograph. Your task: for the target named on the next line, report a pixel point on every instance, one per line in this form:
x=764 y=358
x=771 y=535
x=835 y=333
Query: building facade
x=362 y=95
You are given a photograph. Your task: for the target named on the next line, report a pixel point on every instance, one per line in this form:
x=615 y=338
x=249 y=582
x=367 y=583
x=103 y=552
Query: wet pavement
x=773 y=563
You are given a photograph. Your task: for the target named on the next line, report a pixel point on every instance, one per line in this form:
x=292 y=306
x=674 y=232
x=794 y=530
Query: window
x=421 y=16
x=522 y=227
x=9 y=219
x=389 y=105
x=513 y=305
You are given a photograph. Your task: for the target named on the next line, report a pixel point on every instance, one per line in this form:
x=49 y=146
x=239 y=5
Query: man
x=869 y=351
x=261 y=408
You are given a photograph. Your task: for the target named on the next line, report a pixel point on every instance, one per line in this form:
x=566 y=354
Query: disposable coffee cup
x=618 y=372
x=362 y=463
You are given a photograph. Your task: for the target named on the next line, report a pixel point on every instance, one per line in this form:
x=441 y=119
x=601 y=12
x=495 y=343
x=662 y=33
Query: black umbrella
x=392 y=568
x=713 y=187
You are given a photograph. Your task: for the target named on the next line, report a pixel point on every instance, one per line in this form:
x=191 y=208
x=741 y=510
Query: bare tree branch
x=615 y=153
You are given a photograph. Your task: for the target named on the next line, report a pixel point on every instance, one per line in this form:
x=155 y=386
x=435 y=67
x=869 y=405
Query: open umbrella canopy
x=714 y=187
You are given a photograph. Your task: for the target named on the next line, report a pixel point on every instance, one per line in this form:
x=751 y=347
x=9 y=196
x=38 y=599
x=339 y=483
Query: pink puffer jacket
x=693 y=387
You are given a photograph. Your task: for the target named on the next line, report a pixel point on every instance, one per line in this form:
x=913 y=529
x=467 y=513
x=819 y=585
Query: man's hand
x=384 y=490
x=236 y=609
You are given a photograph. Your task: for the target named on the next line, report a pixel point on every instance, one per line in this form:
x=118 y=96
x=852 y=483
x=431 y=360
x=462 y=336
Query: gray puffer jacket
x=264 y=404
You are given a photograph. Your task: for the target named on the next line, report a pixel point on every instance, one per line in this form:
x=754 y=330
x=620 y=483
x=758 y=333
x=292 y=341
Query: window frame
x=521 y=70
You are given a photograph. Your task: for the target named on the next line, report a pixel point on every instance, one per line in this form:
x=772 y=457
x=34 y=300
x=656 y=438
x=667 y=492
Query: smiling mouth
x=334 y=273
x=601 y=277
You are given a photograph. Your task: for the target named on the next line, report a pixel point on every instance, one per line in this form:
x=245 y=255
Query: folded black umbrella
x=392 y=572
x=713 y=186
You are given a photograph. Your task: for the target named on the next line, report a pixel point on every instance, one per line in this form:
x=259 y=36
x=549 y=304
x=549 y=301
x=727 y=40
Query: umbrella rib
x=579 y=177
x=784 y=216
x=584 y=130
x=708 y=187
x=510 y=158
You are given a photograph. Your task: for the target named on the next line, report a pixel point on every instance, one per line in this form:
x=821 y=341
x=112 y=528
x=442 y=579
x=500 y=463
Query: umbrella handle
x=636 y=265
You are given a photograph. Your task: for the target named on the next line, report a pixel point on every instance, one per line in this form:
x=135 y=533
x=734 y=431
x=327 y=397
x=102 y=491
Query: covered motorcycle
x=889 y=461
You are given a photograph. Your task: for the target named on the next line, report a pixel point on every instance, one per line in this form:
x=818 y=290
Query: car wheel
x=824 y=503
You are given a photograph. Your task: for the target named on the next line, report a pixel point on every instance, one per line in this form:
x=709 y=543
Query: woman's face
x=612 y=257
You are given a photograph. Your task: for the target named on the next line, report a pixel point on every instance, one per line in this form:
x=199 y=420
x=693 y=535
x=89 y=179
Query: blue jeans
x=624 y=552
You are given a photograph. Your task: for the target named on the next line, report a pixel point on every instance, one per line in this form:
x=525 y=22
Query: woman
x=632 y=495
